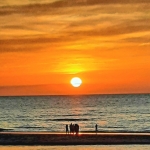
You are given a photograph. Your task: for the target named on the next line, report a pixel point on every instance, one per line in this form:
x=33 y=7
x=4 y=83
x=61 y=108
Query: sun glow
x=76 y=82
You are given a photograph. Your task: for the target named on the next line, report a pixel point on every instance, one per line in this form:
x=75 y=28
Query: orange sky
x=43 y=44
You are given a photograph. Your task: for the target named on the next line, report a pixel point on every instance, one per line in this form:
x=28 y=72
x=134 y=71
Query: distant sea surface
x=112 y=113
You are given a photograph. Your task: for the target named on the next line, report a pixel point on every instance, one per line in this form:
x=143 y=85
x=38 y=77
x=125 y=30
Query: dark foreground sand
x=46 y=138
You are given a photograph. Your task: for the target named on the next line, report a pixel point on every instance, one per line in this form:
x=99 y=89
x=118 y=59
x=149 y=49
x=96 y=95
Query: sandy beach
x=48 y=138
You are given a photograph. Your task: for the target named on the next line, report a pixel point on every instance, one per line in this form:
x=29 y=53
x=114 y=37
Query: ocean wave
x=68 y=119
x=30 y=127
x=2 y=129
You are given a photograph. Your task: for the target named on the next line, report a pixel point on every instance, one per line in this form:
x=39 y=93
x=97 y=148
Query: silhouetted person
x=67 y=130
x=96 y=128
x=71 y=128
x=76 y=129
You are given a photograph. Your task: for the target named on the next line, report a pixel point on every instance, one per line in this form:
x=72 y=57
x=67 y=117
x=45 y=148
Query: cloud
x=112 y=29
x=143 y=39
x=65 y=22
x=33 y=43
x=23 y=45
x=54 y=7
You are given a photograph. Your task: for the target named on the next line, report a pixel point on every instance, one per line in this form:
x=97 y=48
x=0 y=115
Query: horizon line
x=34 y=95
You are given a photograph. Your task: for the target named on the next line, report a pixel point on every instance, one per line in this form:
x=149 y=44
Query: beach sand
x=47 y=138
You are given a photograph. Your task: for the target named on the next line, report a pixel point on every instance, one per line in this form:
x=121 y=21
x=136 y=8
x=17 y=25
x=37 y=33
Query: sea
x=112 y=113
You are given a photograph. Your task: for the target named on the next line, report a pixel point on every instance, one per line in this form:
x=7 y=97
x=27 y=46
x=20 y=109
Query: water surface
x=121 y=113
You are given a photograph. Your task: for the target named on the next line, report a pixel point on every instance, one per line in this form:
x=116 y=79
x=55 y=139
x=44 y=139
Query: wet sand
x=48 y=138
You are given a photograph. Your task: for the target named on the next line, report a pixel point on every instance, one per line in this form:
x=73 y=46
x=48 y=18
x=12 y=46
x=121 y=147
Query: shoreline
x=61 y=138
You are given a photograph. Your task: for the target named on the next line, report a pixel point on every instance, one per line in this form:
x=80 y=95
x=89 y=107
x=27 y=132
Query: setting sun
x=76 y=81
